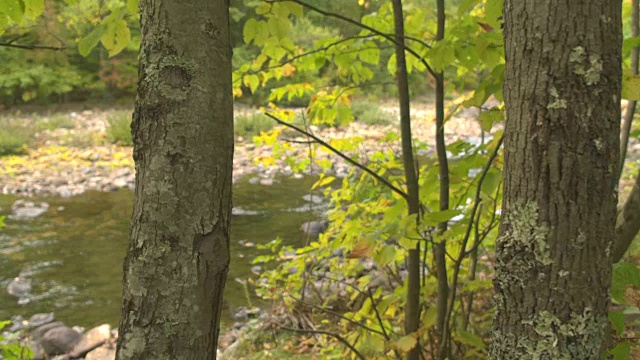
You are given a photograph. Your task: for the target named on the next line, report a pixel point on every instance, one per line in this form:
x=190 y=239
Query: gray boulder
x=59 y=340
x=314 y=228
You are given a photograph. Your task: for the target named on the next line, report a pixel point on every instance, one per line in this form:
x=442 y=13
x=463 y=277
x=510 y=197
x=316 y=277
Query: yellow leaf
x=407 y=343
x=363 y=249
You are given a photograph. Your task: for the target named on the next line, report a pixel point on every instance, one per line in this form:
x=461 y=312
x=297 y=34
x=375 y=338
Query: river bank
x=58 y=166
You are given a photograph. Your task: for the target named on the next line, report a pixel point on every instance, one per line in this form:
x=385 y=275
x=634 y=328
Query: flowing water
x=73 y=253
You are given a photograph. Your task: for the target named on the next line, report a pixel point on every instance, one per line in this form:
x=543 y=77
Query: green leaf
x=13 y=9
x=624 y=274
x=491 y=181
x=630 y=86
x=490 y=117
x=278 y=27
x=90 y=41
x=295 y=9
x=617 y=320
x=4 y=21
x=493 y=11
x=621 y=351
x=370 y=54
x=386 y=256
x=434 y=218
x=116 y=38
x=33 y=8
x=133 y=6
x=250 y=30
x=252 y=81
x=470 y=339
x=407 y=343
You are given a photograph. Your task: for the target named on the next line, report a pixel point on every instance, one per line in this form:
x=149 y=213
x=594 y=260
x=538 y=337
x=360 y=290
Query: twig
x=338 y=337
x=342 y=155
x=32 y=47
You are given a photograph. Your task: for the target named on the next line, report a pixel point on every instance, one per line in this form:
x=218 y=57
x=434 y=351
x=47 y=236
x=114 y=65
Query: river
x=73 y=254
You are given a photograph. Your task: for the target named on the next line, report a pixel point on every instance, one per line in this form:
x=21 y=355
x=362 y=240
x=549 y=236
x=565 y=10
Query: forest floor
x=76 y=156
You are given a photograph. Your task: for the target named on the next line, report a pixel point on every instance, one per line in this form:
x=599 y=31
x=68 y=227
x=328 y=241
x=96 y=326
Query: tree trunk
x=178 y=254
x=553 y=255
x=412 y=311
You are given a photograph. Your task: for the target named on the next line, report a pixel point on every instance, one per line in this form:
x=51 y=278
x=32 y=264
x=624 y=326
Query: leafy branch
x=369 y=28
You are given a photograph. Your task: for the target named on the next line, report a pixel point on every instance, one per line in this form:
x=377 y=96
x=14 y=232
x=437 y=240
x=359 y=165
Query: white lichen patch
x=171 y=76
x=598 y=144
x=581 y=337
x=558 y=103
x=588 y=67
x=526 y=233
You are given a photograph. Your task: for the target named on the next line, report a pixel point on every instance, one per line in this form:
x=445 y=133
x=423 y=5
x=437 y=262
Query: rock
x=41 y=319
x=120 y=183
x=91 y=339
x=59 y=340
x=298 y=176
x=17 y=323
x=256 y=269
x=314 y=228
x=39 y=332
x=238 y=211
x=19 y=287
x=242 y=313
x=26 y=210
x=267 y=182
x=313 y=198
x=254 y=180
x=102 y=353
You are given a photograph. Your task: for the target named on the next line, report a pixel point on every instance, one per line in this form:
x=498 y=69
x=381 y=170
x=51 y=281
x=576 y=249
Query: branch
x=631 y=106
x=628 y=222
x=343 y=156
x=32 y=47
x=338 y=337
x=366 y=27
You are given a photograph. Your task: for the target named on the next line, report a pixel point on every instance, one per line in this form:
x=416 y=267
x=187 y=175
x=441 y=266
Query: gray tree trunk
x=553 y=256
x=178 y=254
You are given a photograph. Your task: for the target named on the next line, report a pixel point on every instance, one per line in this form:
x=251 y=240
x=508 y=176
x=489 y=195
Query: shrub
x=250 y=125
x=14 y=137
x=369 y=113
x=119 y=129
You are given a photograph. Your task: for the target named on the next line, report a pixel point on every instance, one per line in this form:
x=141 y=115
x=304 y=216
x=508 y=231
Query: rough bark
x=178 y=254
x=412 y=311
x=553 y=255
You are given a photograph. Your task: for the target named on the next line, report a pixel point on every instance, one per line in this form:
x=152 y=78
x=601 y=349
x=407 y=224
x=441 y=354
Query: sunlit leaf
x=33 y=8
x=362 y=249
x=407 y=342
x=90 y=41
x=13 y=9
x=386 y=256
x=116 y=37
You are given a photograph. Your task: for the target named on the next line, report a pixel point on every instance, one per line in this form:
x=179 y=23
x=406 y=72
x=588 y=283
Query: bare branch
x=342 y=155
x=338 y=337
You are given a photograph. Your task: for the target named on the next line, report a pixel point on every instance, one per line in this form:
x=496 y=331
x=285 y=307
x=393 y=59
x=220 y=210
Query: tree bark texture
x=554 y=251
x=178 y=254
